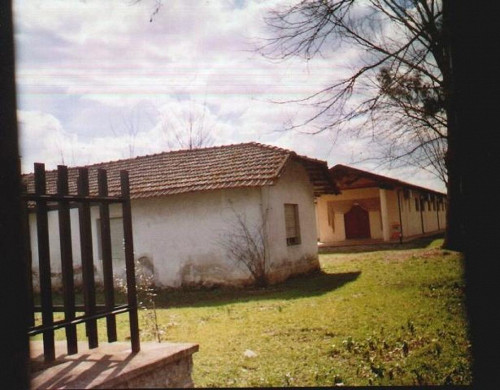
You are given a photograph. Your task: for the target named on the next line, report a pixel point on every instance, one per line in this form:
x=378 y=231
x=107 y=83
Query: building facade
x=192 y=211
x=378 y=208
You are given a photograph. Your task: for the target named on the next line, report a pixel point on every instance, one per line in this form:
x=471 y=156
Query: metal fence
x=40 y=203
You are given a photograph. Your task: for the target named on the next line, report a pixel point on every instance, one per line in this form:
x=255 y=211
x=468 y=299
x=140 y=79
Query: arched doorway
x=357 y=223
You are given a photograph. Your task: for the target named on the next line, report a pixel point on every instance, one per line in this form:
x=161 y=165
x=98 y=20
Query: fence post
x=129 y=261
x=87 y=258
x=28 y=258
x=66 y=259
x=107 y=260
x=44 y=262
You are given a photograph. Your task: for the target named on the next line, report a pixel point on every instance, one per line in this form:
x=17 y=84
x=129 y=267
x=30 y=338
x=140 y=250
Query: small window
x=428 y=205
x=292 y=224
x=417 y=208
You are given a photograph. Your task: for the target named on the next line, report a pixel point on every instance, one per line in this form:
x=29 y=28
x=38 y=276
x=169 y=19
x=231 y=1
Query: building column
x=384 y=212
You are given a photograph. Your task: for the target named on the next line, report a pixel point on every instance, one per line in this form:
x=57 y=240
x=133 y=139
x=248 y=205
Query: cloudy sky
x=104 y=80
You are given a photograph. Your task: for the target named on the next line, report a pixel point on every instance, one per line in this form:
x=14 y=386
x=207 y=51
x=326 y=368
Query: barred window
x=292 y=224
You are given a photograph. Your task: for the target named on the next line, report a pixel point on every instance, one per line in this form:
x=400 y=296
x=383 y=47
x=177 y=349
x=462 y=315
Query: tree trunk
x=474 y=68
x=454 y=237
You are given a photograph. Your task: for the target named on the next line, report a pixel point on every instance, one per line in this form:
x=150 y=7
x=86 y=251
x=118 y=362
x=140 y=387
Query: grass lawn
x=386 y=317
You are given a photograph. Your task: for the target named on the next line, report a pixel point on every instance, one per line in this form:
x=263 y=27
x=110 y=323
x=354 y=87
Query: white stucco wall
x=182 y=235
x=433 y=219
x=293 y=187
x=54 y=247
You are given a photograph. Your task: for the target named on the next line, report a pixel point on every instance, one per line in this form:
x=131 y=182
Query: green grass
x=386 y=317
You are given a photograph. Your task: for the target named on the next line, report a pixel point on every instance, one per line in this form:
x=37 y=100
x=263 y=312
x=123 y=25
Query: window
x=417 y=204
x=292 y=224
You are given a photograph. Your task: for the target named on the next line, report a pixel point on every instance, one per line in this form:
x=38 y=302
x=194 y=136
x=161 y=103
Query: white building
x=189 y=207
x=377 y=208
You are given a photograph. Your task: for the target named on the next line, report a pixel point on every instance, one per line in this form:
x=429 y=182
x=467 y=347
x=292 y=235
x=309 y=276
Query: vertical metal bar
x=28 y=258
x=87 y=257
x=66 y=259
x=107 y=261
x=129 y=261
x=44 y=263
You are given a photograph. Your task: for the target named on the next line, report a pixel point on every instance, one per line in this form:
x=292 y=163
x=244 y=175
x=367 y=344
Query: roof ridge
x=245 y=164
x=171 y=152
x=401 y=182
x=178 y=151
x=291 y=152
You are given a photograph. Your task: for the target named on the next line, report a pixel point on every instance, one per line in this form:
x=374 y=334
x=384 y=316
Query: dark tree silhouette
x=397 y=93
x=474 y=55
x=14 y=351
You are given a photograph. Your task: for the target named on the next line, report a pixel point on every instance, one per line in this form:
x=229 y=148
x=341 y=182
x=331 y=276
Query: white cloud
x=83 y=66
x=42 y=139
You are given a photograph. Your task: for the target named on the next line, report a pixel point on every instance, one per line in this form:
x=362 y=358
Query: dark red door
x=357 y=223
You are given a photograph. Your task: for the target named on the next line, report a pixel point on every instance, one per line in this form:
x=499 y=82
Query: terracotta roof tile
x=347 y=177
x=230 y=166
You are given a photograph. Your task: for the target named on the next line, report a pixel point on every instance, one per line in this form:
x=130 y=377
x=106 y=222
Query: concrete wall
x=382 y=223
x=293 y=187
x=326 y=233
x=424 y=220
x=181 y=237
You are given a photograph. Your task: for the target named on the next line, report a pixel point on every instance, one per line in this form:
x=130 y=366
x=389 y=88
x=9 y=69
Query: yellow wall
x=326 y=233
x=411 y=219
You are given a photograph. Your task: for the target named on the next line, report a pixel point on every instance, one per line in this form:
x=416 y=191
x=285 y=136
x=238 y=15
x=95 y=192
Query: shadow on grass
x=299 y=287
x=418 y=243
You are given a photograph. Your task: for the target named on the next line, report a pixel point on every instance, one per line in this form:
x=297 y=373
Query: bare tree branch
x=189 y=131
x=398 y=86
x=245 y=245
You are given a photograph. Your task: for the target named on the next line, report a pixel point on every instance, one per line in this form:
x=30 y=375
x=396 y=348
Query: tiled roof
x=230 y=166
x=349 y=178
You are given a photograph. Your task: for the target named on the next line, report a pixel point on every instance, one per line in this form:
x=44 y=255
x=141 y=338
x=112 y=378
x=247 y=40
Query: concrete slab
x=113 y=365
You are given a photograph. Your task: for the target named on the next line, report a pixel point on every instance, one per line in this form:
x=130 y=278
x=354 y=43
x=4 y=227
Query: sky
x=105 y=80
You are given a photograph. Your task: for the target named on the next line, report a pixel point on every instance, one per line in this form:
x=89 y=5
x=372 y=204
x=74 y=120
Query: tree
x=188 y=129
x=245 y=245
x=474 y=53
x=133 y=120
x=395 y=95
